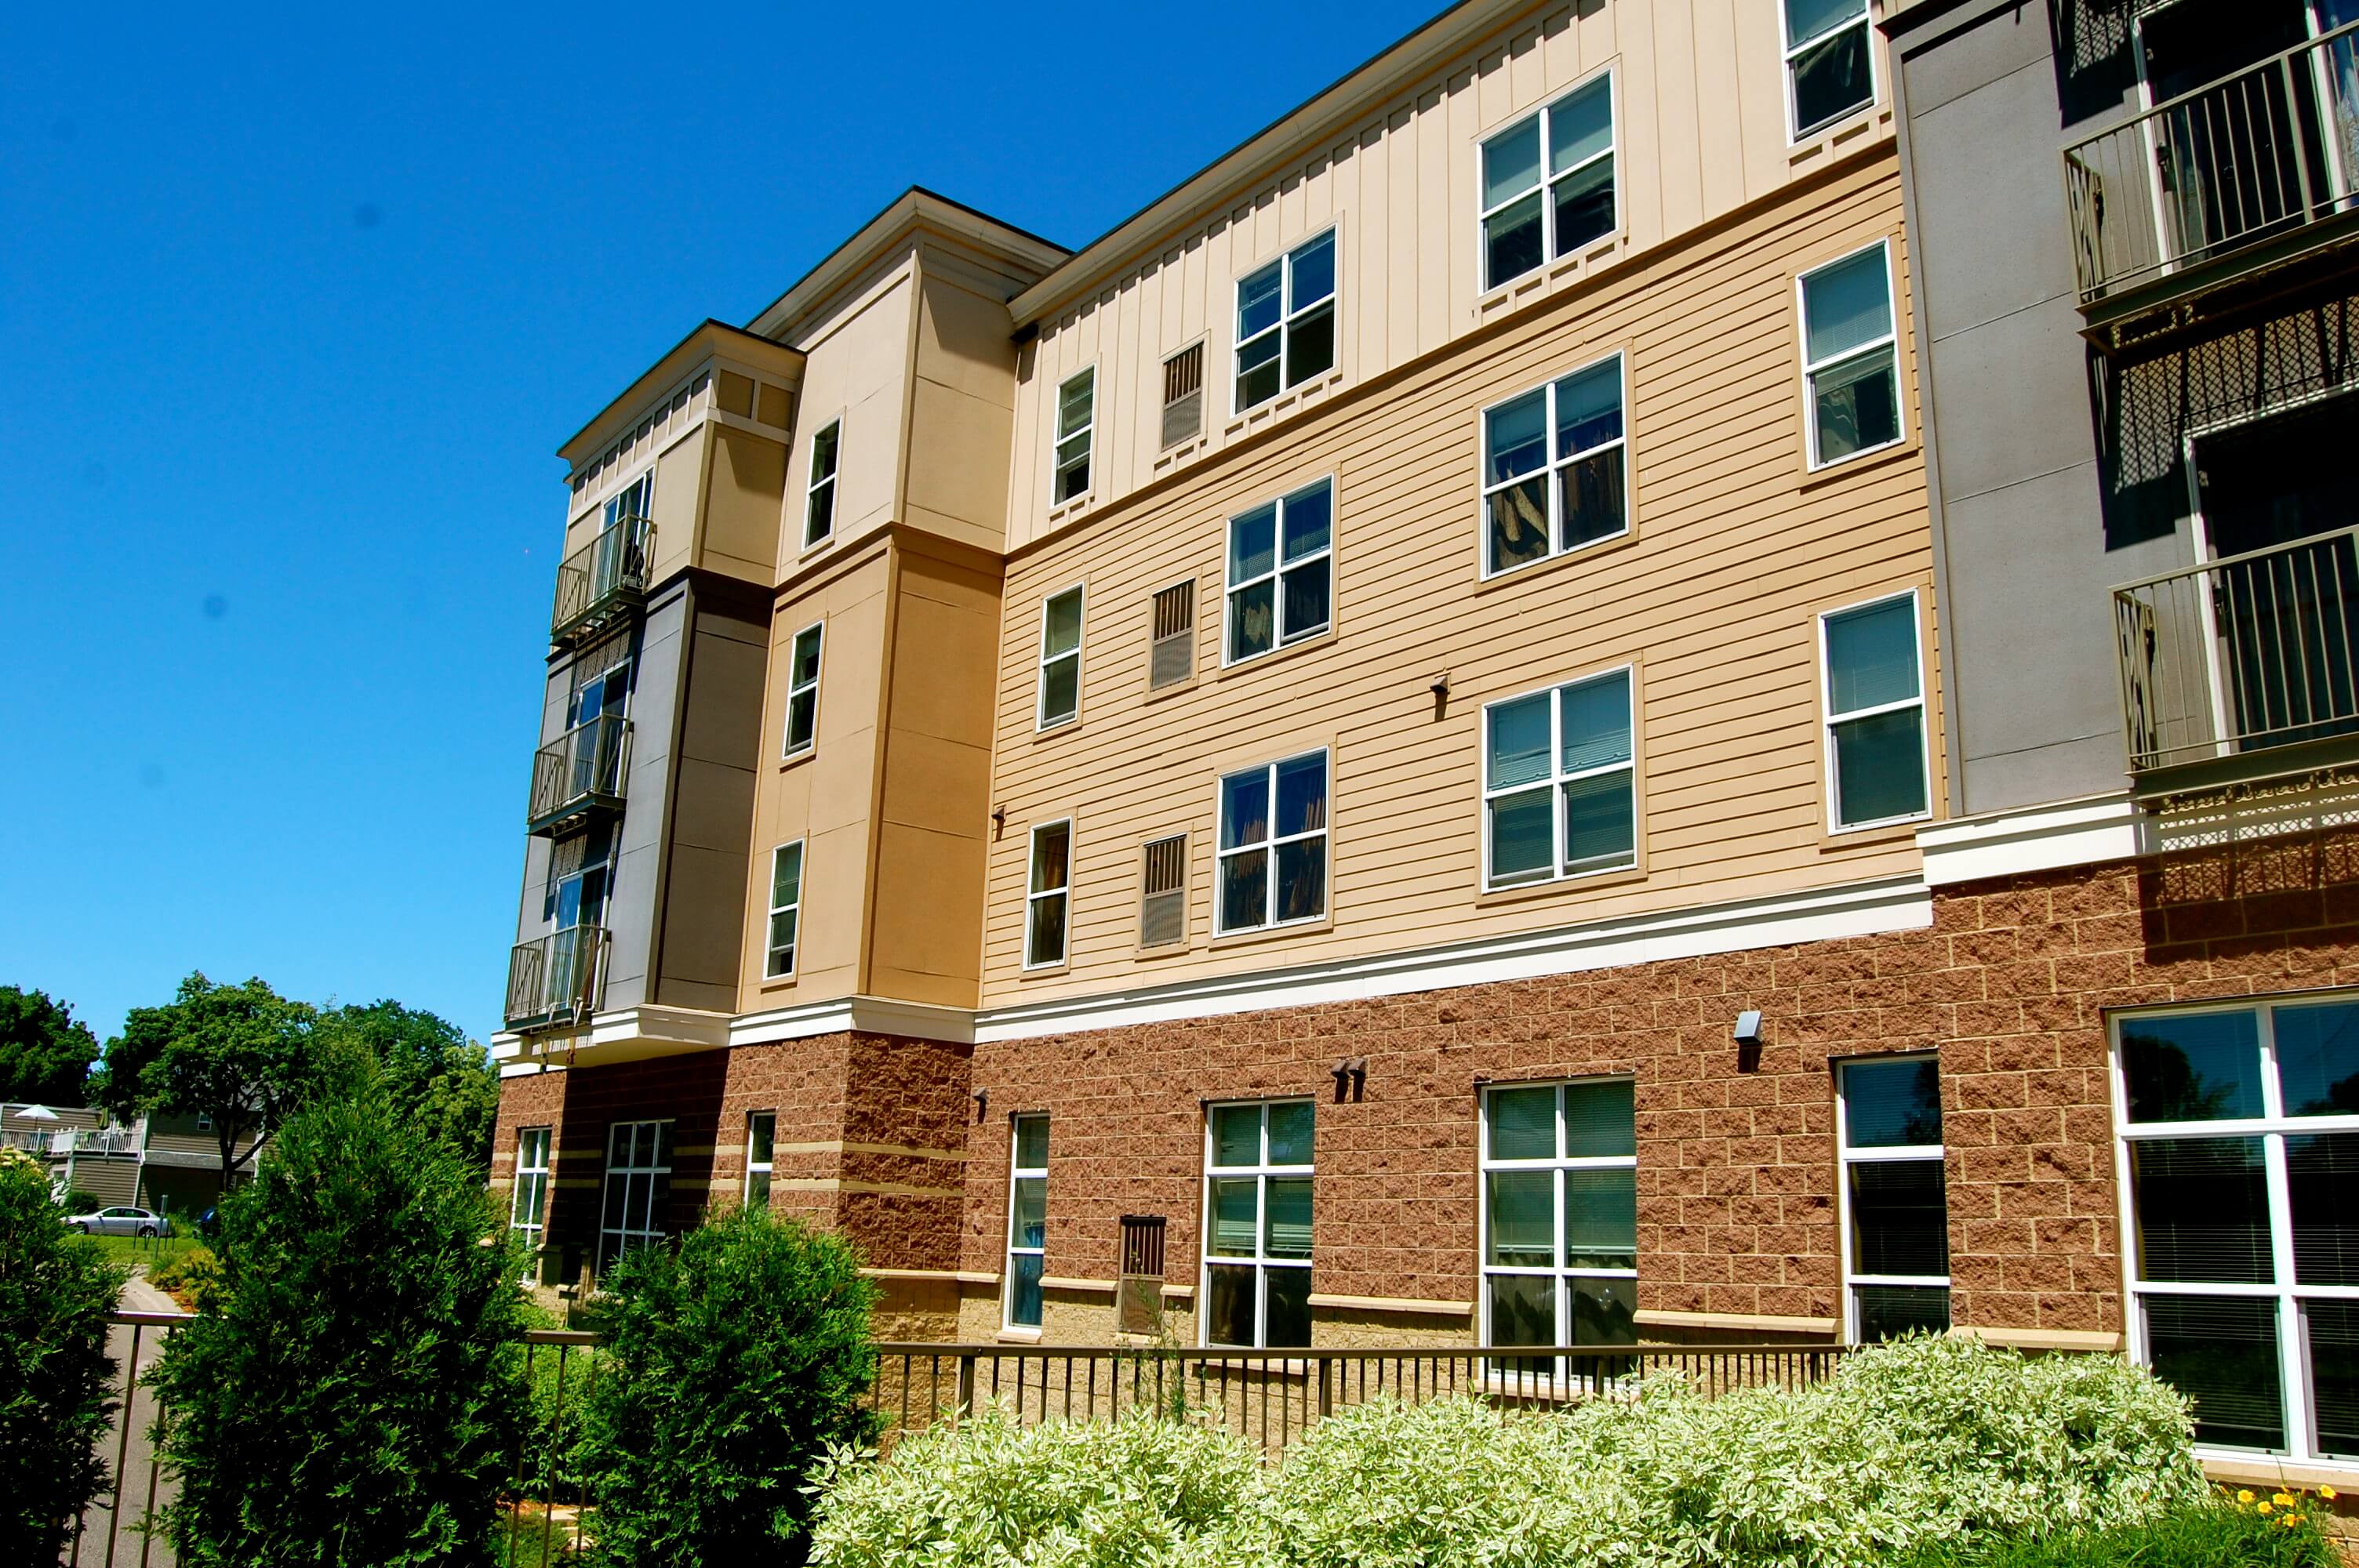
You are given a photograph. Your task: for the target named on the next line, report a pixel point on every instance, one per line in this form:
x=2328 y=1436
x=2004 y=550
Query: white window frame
x=1548 y=180
x=1560 y=1164
x=2272 y=1126
x=1017 y=1172
x=1829 y=718
x=1271 y=842
x=1034 y=895
x=1289 y=316
x=1041 y=722
x=1889 y=344
x=1263 y=1170
x=532 y=1174
x=794 y=945
x=1281 y=635
x=1558 y=778
x=643 y=486
x=762 y=1169
x=610 y=1225
x=1796 y=132
x=1551 y=471
x=817 y=631
x=1847 y=1156
x=814 y=482
x=1060 y=439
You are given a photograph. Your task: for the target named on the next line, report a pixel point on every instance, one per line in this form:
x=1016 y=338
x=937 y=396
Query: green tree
x=45 y=1051
x=352 y=1392
x=241 y=1054
x=429 y=1068
x=729 y=1366
x=55 y=1294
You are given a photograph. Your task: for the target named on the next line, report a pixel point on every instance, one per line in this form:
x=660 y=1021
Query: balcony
x=2240 y=182
x=602 y=581
x=2243 y=667
x=556 y=981
x=579 y=774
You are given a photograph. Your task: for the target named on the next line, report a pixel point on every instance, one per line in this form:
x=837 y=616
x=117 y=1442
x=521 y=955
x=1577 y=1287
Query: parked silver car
x=121 y=1222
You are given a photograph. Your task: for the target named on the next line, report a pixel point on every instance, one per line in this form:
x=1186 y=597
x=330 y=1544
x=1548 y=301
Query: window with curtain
x=1896 y=1237
x=1559 y=782
x=1273 y=860
x=1257 y=1173
x=1281 y=572
x=1877 y=762
x=1554 y=468
x=1560 y=1243
x=1049 y=890
x=1028 y=1220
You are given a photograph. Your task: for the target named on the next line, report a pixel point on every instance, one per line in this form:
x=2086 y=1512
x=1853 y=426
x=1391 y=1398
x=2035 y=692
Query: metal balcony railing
x=2254 y=163
x=580 y=773
x=557 y=979
x=2243 y=666
x=603 y=579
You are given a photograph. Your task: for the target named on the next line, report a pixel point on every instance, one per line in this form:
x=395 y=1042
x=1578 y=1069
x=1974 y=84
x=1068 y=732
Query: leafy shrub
x=730 y=1366
x=2214 y=1534
x=78 y=1200
x=352 y=1391
x=1142 y=1492
x=192 y=1278
x=557 y=1412
x=55 y=1294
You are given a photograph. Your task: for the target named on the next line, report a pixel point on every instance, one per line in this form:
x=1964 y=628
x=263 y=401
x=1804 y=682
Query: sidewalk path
x=109 y=1540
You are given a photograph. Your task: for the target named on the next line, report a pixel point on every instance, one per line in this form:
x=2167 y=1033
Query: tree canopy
x=45 y=1051
x=429 y=1069
x=241 y=1054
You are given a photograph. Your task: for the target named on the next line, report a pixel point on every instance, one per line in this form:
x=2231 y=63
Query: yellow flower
x=2327 y=1493
x=2243 y=1497
x=2290 y=1522
x=2282 y=1500
x=2260 y=1508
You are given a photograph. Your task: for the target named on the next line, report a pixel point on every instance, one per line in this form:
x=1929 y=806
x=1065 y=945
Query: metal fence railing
x=580 y=771
x=2244 y=654
x=557 y=978
x=603 y=579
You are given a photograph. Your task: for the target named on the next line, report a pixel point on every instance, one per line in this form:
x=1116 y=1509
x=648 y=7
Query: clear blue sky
x=294 y=309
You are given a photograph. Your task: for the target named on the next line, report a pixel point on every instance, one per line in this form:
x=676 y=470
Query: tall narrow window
x=819 y=507
x=1028 y=1220
x=802 y=690
x=1553 y=468
x=2240 y=1139
x=1076 y=416
x=1560 y=1217
x=1258 y=1224
x=1047 y=891
x=1829 y=69
x=1060 y=659
x=529 y=1203
x=1548 y=183
x=1172 y=645
x=1183 y=395
x=1560 y=784
x=1273 y=857
x=1281 y=571
x=1163 y=892
x=638 y=1188
x=761 y=1134
x=1850 y=372
x=785 y=908
x=1896 y=1240
x=1877 y=763
x=1286 y=322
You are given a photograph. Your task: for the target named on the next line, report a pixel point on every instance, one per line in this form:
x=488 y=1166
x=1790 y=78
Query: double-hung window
x=1281 y=572
x=1258 y=1224
x=1286 y=322
x=1877 y=762
x=1560 y=1217
x=802 y=690
x=1896 y=1215
x=1560 y=784
x=2239 y=1129
x=1851 y=374
x=1028 y=1220
x=1273 y=866
x=529 y=1203
x=786 y=908
x=1548 y=183
x=1555 y=468
x=638 y=1188
x=1076 y=418
x=761 y=1135
x=1060 y=659
x=1047 y=893
x=818 y=505
x=1829 y=72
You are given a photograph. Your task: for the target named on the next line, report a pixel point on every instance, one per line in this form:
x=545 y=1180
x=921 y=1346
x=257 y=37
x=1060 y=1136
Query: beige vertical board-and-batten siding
x=1736 y=548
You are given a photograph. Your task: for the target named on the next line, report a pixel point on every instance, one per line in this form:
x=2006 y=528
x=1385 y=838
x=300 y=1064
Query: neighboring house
x=1367 y=758
x=170 y=1164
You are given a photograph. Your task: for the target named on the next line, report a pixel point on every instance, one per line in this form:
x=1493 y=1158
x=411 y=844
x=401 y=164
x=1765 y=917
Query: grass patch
x=2223 y=1534
x=145 y=1251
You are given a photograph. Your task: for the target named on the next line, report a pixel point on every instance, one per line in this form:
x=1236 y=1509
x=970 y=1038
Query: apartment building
x=1366 y=757
x=168 y=1163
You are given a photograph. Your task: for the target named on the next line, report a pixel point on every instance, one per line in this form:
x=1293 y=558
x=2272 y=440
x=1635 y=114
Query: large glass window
x=1851 y=374
x=638 y=1188
x=1554 y=468
x=1895 y=1208
x=1830 y=72
x=528 y=1202
x=1076 y=418
x=1876 y=764
x=2240 y=1135
x=1286 y=322
x=1281 y=571
x=1060 y=659
x=1048 y=889
x=1559 y=786
x=761 y=1145
x=818 y=505
x=802 y=690
x=1560 y=1217
x=1548 y=183
x=1273 y=862
x=1256 y=1289
x=1028 y=1220
x=786 y=908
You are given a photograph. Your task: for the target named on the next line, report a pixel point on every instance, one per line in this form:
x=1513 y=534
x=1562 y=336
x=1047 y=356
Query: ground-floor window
x=1028 y=1220
x=2239 y=1157
x=638 y=1188
x=1559 y=1216
x=1256 y=1286
x=761 y=1136
x=1895 y=1205
x=528 y=1202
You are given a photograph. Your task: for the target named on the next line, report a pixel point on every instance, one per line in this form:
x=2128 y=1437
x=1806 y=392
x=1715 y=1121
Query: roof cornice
x=709 y=340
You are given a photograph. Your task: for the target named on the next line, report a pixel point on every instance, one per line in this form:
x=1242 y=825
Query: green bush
x=78 y=1200
x=2214 y=1534
x=352 y=1392
x=192 y=1278
x=55 y=1294
x=731 y=1365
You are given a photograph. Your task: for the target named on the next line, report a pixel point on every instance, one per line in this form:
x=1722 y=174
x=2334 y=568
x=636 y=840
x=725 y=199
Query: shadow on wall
x=2097 y=74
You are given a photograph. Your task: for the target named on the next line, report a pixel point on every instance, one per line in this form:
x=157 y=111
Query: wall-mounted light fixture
x=982 y=1105
x=1441 y=689
x=1351 y=1075
x=998 y=820
x=1748 y=1035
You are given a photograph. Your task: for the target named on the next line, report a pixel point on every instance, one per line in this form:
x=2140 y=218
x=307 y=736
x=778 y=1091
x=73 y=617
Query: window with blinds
x=1183 y=395
x=1171 y=650
x=1163 y=892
